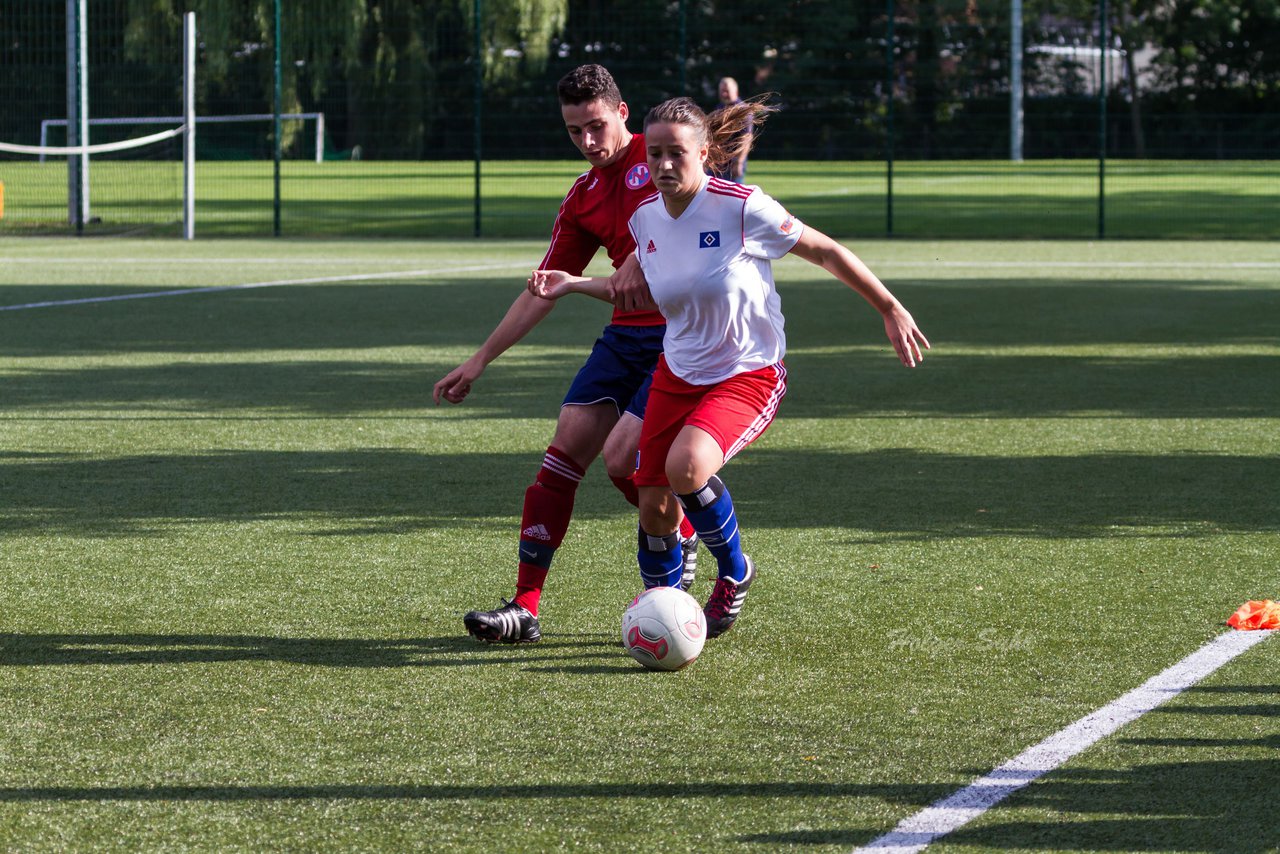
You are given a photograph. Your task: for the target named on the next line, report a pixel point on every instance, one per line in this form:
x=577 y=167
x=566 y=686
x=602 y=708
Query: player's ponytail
x=728 y=132
x=731 y=129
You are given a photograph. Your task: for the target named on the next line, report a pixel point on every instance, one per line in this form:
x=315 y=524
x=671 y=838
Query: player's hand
x=904 y=335
x=551 y=284
x=456 y=384
x=628 y=290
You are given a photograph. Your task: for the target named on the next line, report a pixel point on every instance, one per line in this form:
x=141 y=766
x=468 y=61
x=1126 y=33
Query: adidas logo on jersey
x=536 y=532
x=652 y=249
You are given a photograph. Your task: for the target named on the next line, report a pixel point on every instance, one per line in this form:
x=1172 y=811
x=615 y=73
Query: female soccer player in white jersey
x=705 y=246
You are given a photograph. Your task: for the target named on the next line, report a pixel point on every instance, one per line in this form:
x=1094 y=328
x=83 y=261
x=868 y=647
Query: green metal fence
x=896 y=116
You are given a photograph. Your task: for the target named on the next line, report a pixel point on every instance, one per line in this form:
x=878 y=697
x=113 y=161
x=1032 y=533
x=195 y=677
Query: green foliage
x=1212 y=46
x=392 y=57
x=517 y=36
x=398 y=78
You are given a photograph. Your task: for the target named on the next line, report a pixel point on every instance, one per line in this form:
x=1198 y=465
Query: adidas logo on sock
x=536 y=532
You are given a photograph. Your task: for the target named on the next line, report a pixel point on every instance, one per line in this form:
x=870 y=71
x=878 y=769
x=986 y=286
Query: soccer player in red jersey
x=604 y=406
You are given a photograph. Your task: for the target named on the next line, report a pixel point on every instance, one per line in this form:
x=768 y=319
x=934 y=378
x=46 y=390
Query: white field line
x=1089 y=265
x=993 y=265
x=942 y=817
x=360 y=277
x=221 y=259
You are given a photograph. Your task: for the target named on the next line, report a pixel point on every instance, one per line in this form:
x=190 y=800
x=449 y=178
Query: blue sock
x=710 y=509
x=661 y=560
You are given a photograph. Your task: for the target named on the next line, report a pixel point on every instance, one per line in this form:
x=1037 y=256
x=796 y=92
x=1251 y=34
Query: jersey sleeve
x=634 y=225
x=572 y=246
x=768 y=231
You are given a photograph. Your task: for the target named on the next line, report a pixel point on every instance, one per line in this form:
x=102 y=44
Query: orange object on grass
x=1263 y=614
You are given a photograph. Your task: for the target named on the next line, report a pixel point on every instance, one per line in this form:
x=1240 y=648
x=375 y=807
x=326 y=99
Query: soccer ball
x=664 y=628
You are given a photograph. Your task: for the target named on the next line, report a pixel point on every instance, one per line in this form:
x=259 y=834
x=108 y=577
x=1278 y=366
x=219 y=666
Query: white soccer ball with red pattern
x=664 y=628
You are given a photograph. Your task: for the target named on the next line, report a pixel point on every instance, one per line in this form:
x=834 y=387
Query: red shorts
x=735 y=412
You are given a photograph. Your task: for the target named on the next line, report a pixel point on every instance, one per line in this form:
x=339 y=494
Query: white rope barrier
x=101 y=148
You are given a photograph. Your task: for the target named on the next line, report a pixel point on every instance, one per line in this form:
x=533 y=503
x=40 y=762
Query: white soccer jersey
x=709 y=273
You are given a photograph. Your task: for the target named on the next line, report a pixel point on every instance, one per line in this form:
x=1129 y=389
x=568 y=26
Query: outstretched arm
x=525 y=313
x=550 y=285
x=906 y=338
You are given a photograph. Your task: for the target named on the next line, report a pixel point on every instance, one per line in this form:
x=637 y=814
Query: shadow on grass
x=428 y=792
x=855 y=376
x=1180 y=807
x=889 y=493
x=908 y=494
x=280 y=390
x=461 y=309
x=1207 y=805
x=40 y=650
x=830 y=385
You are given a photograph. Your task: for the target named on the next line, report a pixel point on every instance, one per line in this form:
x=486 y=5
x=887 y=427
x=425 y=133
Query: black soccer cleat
x=726 y=600
x=689 y=548
x=508 y=623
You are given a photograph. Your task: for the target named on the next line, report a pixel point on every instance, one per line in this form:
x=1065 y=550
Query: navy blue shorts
x=619 y=369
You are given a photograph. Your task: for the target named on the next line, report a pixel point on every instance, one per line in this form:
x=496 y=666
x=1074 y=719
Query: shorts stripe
x=765 y=418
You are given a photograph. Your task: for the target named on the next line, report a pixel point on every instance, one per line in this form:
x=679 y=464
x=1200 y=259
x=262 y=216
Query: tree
x=389 y=58
x=1210 y=46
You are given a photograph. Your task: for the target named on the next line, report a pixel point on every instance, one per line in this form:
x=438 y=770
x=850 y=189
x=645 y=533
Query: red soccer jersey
x=595 y=213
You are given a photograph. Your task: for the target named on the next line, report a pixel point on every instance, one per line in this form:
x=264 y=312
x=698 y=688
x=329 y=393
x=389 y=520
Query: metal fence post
x=888 y=136
x=278 y=148
x=478 y=10
x=189 y=121
x=1102 y=119
x=684 y=48
x=78 y=112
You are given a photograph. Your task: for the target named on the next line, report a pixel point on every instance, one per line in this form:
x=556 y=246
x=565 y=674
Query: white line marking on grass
x=1087 y=265
x=937 y=820
x=403 y=274
x=221 y=259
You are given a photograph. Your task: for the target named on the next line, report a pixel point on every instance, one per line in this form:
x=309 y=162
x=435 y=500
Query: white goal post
x=79 y=151
x=170 y=120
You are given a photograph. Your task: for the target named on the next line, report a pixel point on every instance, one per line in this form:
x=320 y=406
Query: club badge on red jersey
x=638 y=176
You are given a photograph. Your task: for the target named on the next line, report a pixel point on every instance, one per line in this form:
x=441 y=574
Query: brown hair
x=726 y=131
x=588 y=83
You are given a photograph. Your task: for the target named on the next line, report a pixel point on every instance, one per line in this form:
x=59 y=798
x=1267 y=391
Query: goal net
x=133 y=184
x=97 y=183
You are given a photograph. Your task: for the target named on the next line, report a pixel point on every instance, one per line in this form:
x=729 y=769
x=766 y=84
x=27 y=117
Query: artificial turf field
x=236 y=540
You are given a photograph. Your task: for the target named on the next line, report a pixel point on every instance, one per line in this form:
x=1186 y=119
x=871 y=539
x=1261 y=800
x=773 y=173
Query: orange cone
x=1263 y=614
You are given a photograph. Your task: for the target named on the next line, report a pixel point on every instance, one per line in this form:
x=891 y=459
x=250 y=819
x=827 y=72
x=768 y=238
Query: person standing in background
x=735 y=169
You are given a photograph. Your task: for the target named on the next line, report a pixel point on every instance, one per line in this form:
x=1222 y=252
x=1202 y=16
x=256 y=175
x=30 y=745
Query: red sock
x=548 y=506
x=627 y=486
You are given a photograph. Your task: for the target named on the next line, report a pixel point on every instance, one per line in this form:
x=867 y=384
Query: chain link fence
x=413 y=121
